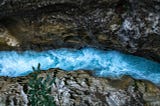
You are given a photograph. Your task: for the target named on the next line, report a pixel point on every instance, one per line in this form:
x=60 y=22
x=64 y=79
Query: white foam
x=103 y=63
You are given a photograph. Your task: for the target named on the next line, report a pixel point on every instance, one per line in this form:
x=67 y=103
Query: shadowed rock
x=128 y=26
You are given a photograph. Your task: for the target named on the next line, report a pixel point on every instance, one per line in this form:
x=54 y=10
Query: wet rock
x=80 y=88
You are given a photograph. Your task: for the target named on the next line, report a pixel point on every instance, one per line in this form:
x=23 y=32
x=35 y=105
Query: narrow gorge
x=92 y=53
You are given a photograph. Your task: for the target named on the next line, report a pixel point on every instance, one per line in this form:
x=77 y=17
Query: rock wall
x=80 y=88
x=130 y=26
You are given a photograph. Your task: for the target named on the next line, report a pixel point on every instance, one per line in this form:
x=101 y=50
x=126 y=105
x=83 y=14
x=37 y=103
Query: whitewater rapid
x=102 y=63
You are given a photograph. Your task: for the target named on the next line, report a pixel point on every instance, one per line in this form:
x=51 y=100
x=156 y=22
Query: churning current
x=103 y=63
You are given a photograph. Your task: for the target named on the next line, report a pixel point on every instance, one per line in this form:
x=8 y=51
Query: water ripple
x=103 y=63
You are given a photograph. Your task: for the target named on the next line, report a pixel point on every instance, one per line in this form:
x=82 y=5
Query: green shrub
x=40 y=89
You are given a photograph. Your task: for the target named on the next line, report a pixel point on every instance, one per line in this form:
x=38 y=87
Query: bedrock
x=80 y=88
x=124 y=25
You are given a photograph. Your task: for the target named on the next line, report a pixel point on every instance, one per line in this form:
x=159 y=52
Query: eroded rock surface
x=131 y=26
x=80 y=88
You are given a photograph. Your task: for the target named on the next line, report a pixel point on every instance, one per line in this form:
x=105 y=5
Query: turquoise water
x=103 y=63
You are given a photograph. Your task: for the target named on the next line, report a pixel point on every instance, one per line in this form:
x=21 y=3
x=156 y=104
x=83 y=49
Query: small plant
x=38 y=68
x=40 y=89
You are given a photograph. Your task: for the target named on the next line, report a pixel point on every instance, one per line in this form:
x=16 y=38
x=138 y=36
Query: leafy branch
x=40 y=89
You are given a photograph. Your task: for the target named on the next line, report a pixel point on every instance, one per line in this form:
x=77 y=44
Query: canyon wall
x=130 y=26
x=80 y=88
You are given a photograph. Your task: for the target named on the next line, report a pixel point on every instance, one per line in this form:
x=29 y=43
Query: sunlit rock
x=81 y=88
x=7 y=38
